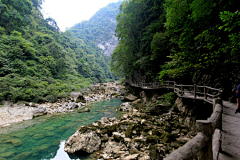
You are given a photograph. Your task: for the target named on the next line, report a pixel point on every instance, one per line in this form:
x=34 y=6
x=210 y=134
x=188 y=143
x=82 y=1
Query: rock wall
x=108 y=46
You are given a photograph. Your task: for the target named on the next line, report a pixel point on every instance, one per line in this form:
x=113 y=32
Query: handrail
x=181 y=85
x=202 y=142
x=180 y=89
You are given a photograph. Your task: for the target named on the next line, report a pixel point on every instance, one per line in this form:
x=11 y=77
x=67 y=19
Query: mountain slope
x=37 y=62
x=99 y=31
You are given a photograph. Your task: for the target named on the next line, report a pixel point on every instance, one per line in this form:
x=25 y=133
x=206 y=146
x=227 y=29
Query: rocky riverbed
x=143 y=132
x=12 y=113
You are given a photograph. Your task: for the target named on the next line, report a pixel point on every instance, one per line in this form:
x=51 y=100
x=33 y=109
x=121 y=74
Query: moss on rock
x=156 y=132
x=152 y=138
x=110 y=129
x=164 y=140
x=128 y=132
x=15 y=142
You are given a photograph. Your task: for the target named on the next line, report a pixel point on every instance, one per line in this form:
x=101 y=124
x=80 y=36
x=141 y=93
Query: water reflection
x=43 y=138
x=61 y=155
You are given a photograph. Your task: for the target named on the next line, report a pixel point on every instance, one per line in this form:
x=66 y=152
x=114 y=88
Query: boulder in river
x=85 y=110
x=86 y=142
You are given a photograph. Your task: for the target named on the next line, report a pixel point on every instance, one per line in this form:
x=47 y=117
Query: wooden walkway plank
x=230 y=146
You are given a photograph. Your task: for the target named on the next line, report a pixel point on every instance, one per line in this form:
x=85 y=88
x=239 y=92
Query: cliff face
x=108 y=46
x=99 y=31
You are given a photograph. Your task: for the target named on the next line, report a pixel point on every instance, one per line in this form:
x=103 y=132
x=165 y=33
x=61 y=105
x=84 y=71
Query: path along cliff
x=230 y=141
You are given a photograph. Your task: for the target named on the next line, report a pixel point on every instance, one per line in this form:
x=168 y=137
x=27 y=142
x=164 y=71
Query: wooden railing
x=205 y=145
x=205 y=93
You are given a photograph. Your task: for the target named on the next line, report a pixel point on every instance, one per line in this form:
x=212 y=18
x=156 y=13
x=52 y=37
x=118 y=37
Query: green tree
x=139 y=28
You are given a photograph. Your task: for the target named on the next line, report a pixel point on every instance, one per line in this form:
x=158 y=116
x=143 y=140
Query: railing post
x=205 y=96
x=174 y=86
x=206 y=128
x=181 y=90
x=194 y=90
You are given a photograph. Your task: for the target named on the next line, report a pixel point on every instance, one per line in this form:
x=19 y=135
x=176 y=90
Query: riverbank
x=16 y=113
x=44 y=137
x=144 y=132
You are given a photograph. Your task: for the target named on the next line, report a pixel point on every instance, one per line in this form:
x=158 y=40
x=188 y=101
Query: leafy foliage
x=189 y=41
x=140 y=29
x=38 y=62
x=201 y=44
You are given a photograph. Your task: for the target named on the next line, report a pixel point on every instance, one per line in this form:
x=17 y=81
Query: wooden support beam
x=181 y=90
x=194 y=91
x=205 y=96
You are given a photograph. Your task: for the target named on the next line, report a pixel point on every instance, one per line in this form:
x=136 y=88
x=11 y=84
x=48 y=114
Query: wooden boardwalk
x=230 y=144
x=205 y=93
x=230 y=140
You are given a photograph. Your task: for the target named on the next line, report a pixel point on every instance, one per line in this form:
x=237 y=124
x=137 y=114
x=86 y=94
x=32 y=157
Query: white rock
x=88 y=142
x=133 y=156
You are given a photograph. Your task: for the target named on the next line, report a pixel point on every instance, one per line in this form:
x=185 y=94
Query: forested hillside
x=38 y=62
x=190 y=42
x=100 y=29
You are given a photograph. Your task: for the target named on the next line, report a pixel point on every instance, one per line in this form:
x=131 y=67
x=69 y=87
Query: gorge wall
x=99 y=31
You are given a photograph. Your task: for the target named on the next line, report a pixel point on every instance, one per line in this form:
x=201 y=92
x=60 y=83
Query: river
x=43 y=138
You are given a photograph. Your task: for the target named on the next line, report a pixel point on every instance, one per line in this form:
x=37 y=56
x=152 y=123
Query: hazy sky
x=69 y=12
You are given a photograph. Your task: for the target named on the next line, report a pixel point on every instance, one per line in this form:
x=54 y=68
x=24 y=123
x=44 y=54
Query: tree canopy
x=190 y=41
x=142 y=39
x=38 y=62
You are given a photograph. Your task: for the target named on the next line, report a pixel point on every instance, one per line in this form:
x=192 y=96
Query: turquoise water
x=43 y=138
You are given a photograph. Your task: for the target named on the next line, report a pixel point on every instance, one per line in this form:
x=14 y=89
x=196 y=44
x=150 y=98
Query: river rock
x=41 y=110
x=75 y=95
x=131 y=157
x=159 y=109
x=71 y=105
x=15 y=142
x=104 y=120
x=129 y=98
x=144 y=98
x=136 y=101
x=81 y=99
x=85 y=110
x=87 y=142
x=118 y=137
x=16 y=113
x=113 y=148
x=126 y=107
